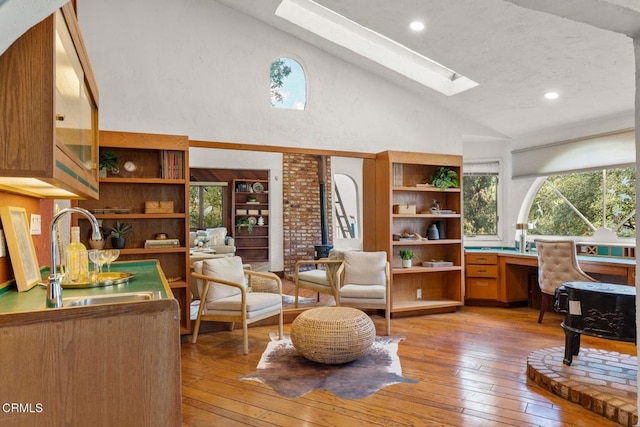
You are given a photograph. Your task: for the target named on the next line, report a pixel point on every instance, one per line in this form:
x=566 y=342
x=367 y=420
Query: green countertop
x=584 y=258
x=147 y=277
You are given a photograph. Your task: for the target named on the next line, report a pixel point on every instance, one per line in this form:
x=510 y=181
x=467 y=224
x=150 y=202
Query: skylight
x=338 y=29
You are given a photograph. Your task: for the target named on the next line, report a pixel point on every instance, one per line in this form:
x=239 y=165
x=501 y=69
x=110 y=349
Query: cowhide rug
x=291 y=375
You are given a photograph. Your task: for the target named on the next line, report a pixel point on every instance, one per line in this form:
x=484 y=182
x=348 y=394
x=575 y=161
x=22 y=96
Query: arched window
x=288 y=84
x=598 y=204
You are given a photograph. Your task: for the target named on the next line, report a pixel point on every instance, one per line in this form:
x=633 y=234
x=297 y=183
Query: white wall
x=201 y=69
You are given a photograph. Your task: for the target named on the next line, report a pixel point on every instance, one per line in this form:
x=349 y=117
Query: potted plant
x=108 y=163
x=244 y=222
x=118 y=233
x=406 y=255
x=445 y=178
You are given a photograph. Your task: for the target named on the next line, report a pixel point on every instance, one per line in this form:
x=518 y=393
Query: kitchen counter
x=106 y=364
x=147 y=277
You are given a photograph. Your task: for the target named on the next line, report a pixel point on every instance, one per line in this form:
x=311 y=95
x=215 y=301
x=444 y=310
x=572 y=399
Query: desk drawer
x=482 y=288
x=482 y=259
x=482 y=271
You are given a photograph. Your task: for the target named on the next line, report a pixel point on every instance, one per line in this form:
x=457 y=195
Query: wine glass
x=112 y=255
x=98 y=257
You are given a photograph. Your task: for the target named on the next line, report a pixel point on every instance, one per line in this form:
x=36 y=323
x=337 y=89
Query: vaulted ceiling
x=580 y=48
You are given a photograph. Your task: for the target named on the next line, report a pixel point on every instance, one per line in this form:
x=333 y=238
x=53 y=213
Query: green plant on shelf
x=109 y=161
x=444 y=178
x=244 y=222
x=406 y=254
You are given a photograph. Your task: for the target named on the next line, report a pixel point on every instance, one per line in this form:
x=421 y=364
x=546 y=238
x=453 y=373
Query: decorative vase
x=433 y=233
x=96 y=244
x=406 y=263
x=118 y=242
x=440 y=225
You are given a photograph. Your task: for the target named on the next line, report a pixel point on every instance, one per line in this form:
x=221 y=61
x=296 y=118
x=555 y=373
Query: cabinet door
x=76 y=111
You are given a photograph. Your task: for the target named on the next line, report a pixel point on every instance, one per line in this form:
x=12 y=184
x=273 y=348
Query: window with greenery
x=288 y=84
x=480 y=185
x=578 y=204
x=206 y=205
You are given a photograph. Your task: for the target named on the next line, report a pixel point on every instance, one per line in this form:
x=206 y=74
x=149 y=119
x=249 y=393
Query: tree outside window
x=579 y=204
x=206 y=206
x=480 y=196
x=288 y=84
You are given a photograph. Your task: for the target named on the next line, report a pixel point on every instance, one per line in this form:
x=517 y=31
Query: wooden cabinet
x=398 y=179
x=250 y=213
x=153 y=168
x=49 y=112
x=482 y=276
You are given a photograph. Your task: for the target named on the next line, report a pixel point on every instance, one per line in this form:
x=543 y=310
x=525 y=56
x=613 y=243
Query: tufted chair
x=557 y=264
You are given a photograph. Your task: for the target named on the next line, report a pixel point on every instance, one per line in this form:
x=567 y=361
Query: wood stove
x=602 y=310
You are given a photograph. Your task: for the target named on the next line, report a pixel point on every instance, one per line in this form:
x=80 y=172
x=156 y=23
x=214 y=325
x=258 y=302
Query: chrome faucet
x=54 y=287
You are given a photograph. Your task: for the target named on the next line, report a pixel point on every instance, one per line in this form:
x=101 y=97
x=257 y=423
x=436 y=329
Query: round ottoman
x=332 y=335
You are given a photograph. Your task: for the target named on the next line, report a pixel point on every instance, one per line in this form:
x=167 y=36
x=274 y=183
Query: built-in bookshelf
x=150 y=192
x=399 y=209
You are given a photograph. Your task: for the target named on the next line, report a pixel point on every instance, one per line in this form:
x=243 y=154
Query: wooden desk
x=516 y=269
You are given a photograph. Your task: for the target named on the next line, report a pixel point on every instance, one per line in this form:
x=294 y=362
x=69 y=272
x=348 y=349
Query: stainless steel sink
x=111 y=298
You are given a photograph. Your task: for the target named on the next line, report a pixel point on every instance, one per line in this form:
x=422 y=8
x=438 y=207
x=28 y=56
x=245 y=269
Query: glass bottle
x=76 y=259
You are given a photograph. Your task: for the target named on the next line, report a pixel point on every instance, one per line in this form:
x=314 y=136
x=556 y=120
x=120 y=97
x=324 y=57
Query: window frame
x=477 y=166
x=527 y=204
x=225 y=202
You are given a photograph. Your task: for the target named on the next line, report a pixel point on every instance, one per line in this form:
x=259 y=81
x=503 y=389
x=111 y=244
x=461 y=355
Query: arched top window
x=598 y=204
x=288 y=84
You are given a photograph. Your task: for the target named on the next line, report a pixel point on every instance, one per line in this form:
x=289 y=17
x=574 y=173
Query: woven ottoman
x=332 y=335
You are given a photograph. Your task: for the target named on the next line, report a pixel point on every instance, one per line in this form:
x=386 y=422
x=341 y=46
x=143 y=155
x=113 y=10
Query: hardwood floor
x=471 y=367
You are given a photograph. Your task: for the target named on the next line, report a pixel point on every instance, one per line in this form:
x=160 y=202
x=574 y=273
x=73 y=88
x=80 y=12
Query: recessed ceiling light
x=416 y=26
x=551 y=95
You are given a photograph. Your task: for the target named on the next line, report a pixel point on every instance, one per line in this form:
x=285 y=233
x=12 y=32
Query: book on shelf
x=172 y=164
x=161 y=243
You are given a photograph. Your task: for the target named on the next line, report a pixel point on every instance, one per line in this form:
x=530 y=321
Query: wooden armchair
x=225 y=297
x=321 y=279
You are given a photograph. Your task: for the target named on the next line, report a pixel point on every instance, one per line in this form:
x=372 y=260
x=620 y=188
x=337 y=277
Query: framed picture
x=21 y=249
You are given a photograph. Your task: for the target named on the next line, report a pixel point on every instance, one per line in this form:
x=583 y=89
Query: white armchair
x=363 y=281
x=225 y=297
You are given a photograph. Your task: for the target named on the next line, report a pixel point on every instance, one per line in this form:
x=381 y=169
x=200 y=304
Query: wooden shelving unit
x=250 y=200
x=140 y=181
x=399 y=179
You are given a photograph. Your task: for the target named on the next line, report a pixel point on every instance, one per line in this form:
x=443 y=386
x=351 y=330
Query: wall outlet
x=36 y=224
x=419 y=293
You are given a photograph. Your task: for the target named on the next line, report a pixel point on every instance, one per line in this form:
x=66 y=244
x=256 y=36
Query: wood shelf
x=116 y=180
x=149 y=152
x=396 y=175
x=250 y=246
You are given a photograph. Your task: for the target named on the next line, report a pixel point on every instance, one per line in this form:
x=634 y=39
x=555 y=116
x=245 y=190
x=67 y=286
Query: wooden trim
x=278 y=149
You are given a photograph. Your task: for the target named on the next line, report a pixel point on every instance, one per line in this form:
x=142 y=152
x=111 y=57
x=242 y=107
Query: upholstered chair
x=363 y=281
x=225 y=297
x=557 y=264
x=321 y=278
